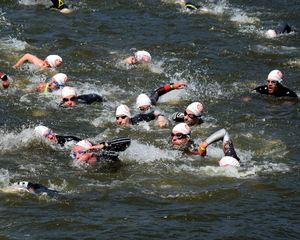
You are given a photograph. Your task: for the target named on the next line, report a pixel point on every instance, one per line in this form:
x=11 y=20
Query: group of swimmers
x=107 y=152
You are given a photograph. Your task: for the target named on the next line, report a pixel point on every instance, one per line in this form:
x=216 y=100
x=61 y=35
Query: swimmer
x=188 y=5
x=32 y=188
x=106 y=152
x=280 y=29
x=181 y=139
x=52 y=61
x=5 y=80
x=124 y=118
x=144 y=102
x=274 y=86
x=60 y=6
x=191 y=116
x=230 y=158
x=52 y=137
x=70 y=98
x=139 y=56
x=57 y=81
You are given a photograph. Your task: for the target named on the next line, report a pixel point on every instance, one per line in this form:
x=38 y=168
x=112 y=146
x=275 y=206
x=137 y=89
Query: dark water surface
x=156 y=193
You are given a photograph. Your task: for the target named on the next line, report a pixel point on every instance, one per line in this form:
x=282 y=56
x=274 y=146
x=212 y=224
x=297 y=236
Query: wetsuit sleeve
x=261 y=89
x=154 y=96
x=63 y=139
x=219 y=135
x=283 y=28
x=147 y=117
x=89 y=98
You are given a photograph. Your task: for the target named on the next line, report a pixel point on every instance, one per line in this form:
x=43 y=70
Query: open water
x=156 y=193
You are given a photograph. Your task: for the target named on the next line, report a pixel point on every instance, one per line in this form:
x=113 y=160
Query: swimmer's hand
x=180 y=85
x=15 y=66
x=202 y=149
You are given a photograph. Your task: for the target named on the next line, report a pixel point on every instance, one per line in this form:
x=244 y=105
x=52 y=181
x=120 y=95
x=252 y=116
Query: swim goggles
x=72 y=99
x=123 y=117
x=48 y=134
x=273 y=82
x=80 y=152
x=178 y=135
x=190 y=115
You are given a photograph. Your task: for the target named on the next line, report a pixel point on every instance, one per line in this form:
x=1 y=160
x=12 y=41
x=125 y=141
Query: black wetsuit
x=179 y=117
x=61 y=140
x=58 y=5
x=281 y=92
x=107 y=156
x=39 y=188
x=89 y=98
x=147 y=117
x=283 y=28
x=192 y=6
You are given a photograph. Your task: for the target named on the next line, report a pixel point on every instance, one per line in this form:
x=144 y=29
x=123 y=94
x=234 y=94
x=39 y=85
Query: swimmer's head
x=181 y=2
x=143 y=102
x=60 y=78
x=22 y=184
x=275 y=75
x=54 y=61
x=41 y=130
x=196 y=108
x=123 y=110
x=142 y=56
x=229 y=161
x=271 y=33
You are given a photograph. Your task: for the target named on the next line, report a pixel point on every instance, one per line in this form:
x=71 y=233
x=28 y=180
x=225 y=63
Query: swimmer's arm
x=30 y=58
x=202 y=148
x=36 y=88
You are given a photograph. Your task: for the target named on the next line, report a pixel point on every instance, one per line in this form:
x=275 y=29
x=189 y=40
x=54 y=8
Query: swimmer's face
x=70 y=101
x=82 y=155
x=179 y=139
x=273 y=86
x=144 y=108
x=50 y=136
x=123 y=120
x=190 y=120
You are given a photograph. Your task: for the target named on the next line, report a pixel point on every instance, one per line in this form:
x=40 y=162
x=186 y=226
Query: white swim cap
x=61 y=78
x=54 y=60
x=41 y=130
x=68 y=91
x=271 y=33
x=275 y=75
x=196 y=108
x=229 y=161
x=123 y=110
x=142 y=100
x=85 y=144
x=142 y=56
x=182 y=128
x=23 y=184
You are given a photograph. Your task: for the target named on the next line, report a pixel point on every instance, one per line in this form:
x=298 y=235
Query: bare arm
x=30 y=58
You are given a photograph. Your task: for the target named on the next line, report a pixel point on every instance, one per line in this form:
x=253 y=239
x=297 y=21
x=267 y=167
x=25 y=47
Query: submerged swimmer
x=104 y=153
x=124 y=118
x=52 y=61
x=231 y=158
x=32 y=188
x=139 y=56
x=57 y=81
x=52 y=137
x=5 y=80
x=70 y=98
x=189 y=5
x=280 y=29
x=59 y=5
x=145 y=102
